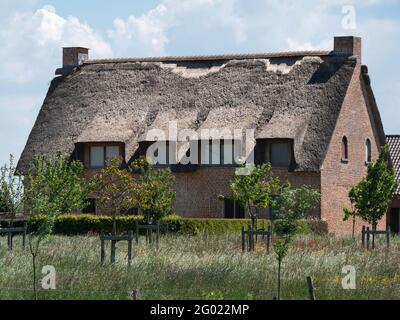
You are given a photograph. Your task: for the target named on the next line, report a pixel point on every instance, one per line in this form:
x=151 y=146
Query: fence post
x=368 y=235
x=130 y=237
x=243 y=240
x=158 y=233
x=388 y=237
x=9 y=240
x=268 y=238
x=102 y=250
x=137 y=232
x=24 y=234
x=311 y=289
x=363 y=236
x=113 y=247
x=135 y=294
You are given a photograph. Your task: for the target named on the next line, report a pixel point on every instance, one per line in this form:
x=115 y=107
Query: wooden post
x=268 y=238
x=135 y=294
x=151 y=235
x=368 y=235
x=363 y=236
x=24 y=234
x=113 y=248
x=130 y=237
x=388 y=237
x=147 y=235
x=243 y=240
x=158 y=233
x=102 y=251
x=9 y=240
x=311 y=289
x=137 y=232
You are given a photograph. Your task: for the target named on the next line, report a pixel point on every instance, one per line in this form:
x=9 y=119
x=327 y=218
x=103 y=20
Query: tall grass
x=202 y=267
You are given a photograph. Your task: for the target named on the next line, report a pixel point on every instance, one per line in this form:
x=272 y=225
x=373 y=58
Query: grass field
x=202 y=267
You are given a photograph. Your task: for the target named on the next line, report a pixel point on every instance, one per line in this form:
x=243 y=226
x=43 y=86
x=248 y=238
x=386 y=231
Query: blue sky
x=33 y=32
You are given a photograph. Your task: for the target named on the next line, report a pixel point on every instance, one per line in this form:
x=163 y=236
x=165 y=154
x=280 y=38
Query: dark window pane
x=280 y=154
x=239 y=211
x=229 y=208
x=90 y=207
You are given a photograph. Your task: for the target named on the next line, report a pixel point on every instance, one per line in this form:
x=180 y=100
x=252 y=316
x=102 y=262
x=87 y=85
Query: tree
x=114 y=188
x=371 y=197
x=154 y=190
x=11 y=189
x=256 y=189
x=52 y=187
x=290 y=206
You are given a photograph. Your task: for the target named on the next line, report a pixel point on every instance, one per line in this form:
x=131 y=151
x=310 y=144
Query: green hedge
x=73 y=224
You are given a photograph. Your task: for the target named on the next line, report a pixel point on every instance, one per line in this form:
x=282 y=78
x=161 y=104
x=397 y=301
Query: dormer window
x=279 y=152
x=96 y=154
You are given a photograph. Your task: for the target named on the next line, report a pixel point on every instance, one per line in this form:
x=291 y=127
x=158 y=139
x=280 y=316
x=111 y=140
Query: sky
x=33 y=32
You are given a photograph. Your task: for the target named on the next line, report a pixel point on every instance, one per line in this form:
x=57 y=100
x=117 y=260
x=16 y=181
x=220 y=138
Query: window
x=280 y=154
x=367 y=151
x=345 y=149
x=90 y=207
x=97 y=155
x=233 y=209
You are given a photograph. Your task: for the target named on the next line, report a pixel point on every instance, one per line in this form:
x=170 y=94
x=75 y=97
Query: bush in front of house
x=74 y=224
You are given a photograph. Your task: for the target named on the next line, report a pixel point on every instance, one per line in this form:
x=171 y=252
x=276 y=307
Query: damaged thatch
x=296 y=96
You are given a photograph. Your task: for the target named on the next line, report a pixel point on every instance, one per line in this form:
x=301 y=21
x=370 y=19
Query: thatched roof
x=296 y=95
x=393 y=142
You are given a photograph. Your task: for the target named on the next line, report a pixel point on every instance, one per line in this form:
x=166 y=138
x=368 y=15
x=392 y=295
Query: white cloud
x=33 y=42
x=150 y=33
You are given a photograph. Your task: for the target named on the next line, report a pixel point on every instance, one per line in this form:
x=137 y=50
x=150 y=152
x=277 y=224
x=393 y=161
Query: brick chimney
x=74 y=56
x=348 y=45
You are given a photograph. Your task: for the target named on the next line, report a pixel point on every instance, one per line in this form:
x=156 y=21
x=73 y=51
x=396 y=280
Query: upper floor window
x=367 y=151
x=97 y=154
x=280 y=154
x=345 y=149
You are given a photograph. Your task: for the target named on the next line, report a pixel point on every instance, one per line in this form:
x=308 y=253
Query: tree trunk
x=354 y=227
x=373 y=235
x=279 y=277
x=114 y=229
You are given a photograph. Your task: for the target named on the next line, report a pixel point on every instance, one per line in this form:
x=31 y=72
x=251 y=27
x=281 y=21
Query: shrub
x=73 y=224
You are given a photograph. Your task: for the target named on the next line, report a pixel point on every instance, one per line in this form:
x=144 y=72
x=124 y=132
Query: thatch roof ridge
x=215 y=57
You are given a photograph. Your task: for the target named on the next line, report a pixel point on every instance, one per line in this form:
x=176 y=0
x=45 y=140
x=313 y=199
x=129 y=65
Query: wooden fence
x=12 y=231
x=367 y=233
x=250 y=234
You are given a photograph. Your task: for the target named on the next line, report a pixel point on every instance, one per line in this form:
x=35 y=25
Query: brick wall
x=354 y=122
x=197 y=192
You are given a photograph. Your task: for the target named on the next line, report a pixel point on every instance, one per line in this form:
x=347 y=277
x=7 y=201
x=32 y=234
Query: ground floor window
x=90 y=207
x=394 y=221
x=233 y=209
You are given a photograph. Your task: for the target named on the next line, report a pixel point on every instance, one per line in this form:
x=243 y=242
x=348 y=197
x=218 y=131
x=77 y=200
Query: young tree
x=52 y=187
x=11 y=190
x=154 y=190
x=291 y=206
x=371 y=197
x=114 y=188
x=256 y=189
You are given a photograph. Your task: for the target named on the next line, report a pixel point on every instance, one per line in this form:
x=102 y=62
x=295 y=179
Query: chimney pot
x=74 y=56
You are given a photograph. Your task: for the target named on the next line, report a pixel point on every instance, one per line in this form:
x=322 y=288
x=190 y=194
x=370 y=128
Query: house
x=312 y=113
x=393 y=220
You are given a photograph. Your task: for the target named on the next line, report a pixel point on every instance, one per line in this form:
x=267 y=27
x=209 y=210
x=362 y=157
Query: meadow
x=202 y=267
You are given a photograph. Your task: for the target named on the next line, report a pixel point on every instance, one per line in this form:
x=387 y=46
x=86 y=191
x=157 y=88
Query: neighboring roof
x=393 y=142
x=296 y=95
